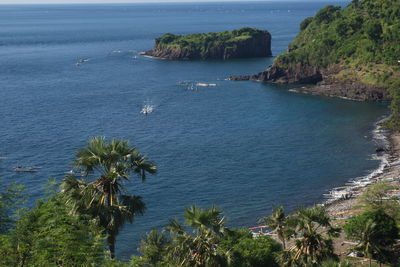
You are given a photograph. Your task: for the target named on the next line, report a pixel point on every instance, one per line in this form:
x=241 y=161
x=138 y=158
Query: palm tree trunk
x=111 y=244
x=283 y=243
x=370 y=262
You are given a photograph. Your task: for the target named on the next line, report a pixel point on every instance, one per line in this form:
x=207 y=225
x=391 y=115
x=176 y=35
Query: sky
x=112 y=1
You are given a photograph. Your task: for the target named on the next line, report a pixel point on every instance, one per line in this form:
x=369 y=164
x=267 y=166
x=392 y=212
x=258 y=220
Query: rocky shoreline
x=390 y=174
x=319 y=81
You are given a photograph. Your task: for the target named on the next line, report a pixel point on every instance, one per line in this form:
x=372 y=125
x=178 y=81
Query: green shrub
x=387 y=229
x=49 y=236
x=253 y=252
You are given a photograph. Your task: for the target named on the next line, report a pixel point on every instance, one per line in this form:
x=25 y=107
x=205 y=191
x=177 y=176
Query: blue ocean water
x=240 y=145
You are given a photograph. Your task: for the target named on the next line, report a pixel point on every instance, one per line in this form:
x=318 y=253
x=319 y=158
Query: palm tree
x=315 y=231
x=153 y=247
x=207 y=220
x=277 y=222
x=368 y=243
x=199 y=248
x=104 y=197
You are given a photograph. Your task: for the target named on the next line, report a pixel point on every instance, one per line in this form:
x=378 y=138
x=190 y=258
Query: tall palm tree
x=278 y=223
x=315 y=231
x=199 y=248
x=368 y=243
x=104 y=196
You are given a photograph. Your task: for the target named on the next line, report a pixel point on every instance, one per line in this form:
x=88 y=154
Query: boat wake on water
x=123 y=52
x=131 y=53
x=81 y=61
x=147 y=108
x=193 y=86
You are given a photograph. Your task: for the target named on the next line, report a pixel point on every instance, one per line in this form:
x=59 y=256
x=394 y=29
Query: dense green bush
x=253 y=252
x=387 y=231
x=366 y=31
x=376 y=233
x=49 y=236
x=10 y=199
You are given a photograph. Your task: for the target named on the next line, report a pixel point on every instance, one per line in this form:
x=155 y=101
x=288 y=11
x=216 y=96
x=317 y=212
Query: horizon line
x=110 y=2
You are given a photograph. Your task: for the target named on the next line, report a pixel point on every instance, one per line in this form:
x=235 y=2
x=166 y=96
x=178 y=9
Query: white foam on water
x=380 y=137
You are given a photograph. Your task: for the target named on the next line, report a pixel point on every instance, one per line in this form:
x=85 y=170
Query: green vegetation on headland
x=351 y=52
x=242 y=43
x=76 y=224
x=365 y=36
x=360 y=43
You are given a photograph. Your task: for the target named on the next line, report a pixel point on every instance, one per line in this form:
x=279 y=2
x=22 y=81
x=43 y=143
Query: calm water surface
x=241 y=145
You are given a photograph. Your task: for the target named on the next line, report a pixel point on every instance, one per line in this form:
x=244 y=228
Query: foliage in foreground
x=10 y=200
x=49 y=236
x=247 y=251
x=205 y=241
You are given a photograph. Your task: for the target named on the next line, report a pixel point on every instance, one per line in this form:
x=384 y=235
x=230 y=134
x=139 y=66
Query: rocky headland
x=242 y=43
x=351 y=53
x=320 y=81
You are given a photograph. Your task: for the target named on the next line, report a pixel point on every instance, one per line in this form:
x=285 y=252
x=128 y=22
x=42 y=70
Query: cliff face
x=300 y=73
x=321 y=82
x=243 y=43
x=351 y=52
x=171 y=53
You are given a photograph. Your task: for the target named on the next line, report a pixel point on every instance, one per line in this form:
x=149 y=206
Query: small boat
x=206 y=84
x=147 y=109
x=81 y=61
x=25 y=169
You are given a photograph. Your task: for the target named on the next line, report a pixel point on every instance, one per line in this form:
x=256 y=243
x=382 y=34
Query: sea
x=71 y=72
